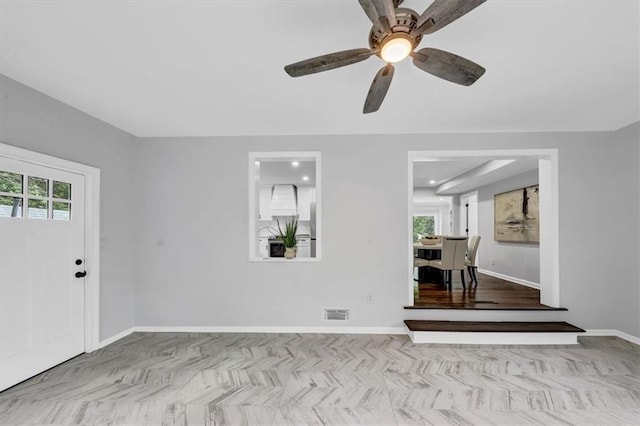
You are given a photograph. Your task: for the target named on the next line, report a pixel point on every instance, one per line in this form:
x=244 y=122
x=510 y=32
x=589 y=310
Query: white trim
x=253 y=195
x=409 y=239
x=91 y=232
x=509 y=278
x=116 y=337
x=468 y=338
x=416 y=337
x=549 y=237
x=273 y=329
x=549 y=233
x=617 y=333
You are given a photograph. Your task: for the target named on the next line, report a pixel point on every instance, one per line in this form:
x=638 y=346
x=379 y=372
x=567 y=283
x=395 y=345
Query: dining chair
x=470 y=260
x=454 y=250
x=417 y=263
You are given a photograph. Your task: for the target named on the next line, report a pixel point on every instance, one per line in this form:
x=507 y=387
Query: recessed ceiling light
x=295 y=163
x=432 y=182
x=441 y=199
x=257 y=163
x=305 y=177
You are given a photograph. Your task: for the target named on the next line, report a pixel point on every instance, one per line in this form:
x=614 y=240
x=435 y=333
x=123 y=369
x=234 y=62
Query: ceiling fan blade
x=444 y=12
x=378 y=89
x=380 y=11
x=388 y=10
x=448 y=66
x=327 y=62
x=369 y=8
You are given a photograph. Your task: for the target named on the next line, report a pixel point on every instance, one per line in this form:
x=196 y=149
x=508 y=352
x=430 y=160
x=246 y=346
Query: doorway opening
x=465 y=183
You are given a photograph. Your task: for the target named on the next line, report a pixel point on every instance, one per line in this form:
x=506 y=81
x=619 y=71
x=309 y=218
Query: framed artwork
x=517 y=216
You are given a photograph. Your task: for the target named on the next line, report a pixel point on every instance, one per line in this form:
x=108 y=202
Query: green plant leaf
x=288 y=236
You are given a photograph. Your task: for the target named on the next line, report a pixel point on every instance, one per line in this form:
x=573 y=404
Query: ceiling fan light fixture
x=394 y=34
x=396 y=49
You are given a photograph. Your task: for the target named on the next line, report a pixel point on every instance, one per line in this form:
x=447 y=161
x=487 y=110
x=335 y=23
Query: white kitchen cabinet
x=265 y=203
x=305 y=197
x=303 y=247
x=263 y=248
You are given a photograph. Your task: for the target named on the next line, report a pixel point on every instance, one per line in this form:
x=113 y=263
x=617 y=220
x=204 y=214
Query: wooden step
x=493 y=332
x=494 y=326
x=486 y=306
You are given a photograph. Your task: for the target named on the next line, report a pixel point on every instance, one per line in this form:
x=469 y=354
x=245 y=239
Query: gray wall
x=174 y=221
x=628 y=141
x=195 y=263
x=31 y=120
x=512 y=259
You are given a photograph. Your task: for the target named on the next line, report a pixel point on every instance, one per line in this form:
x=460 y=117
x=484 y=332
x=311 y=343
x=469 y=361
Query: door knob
x=81 y=274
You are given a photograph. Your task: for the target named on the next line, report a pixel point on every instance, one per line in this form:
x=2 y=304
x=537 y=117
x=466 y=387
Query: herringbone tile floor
x=263 y=379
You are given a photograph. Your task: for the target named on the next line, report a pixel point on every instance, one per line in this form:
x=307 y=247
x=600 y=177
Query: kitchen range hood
x=284 y=200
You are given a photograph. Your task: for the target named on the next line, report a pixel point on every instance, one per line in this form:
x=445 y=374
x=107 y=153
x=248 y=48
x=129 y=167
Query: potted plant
x=288 y=237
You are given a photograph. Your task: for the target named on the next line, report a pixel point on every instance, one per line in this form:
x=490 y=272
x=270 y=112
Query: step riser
x=481 y=315
x=466 y=338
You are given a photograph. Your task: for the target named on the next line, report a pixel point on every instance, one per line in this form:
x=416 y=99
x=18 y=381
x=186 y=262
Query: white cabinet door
x=41 y=250
x=263 y=248
x=265 y=203
x=304 y=247
x=305 y=195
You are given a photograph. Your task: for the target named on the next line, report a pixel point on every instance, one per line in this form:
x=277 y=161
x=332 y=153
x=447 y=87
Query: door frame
x=549 y=209
x=91 y=231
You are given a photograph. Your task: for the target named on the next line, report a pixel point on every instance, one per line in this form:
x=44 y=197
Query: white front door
x=41 y=250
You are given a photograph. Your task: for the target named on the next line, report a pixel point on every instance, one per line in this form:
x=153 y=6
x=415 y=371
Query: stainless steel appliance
x=276 y=248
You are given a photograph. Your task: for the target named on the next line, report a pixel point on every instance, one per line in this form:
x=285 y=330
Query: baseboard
x=116 y=337
x=319 y=330
x=273 y=329
x=508 y=278
x=617 y=333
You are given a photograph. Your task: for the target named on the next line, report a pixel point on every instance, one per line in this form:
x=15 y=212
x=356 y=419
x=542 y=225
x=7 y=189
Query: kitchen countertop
x=283 y=260
x=271 y=237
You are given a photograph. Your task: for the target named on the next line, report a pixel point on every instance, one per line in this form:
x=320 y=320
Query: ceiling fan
x=395 y=33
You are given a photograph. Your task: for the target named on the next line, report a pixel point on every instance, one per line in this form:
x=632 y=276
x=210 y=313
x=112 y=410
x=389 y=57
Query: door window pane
x=38 y=209
x=38 y=187
x=61 y=210
x=10 y=206
x=61 y=190
x=10 y=182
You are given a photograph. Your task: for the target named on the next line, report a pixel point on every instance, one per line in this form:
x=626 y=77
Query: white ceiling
x=284 y=172
x=453 y=177
x=441 y=171
x=194 y=68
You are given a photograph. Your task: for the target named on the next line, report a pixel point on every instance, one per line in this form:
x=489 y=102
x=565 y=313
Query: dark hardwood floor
x=491 y=293
x=494 y=326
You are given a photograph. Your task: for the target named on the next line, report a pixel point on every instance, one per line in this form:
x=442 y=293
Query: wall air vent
x=336 y=314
